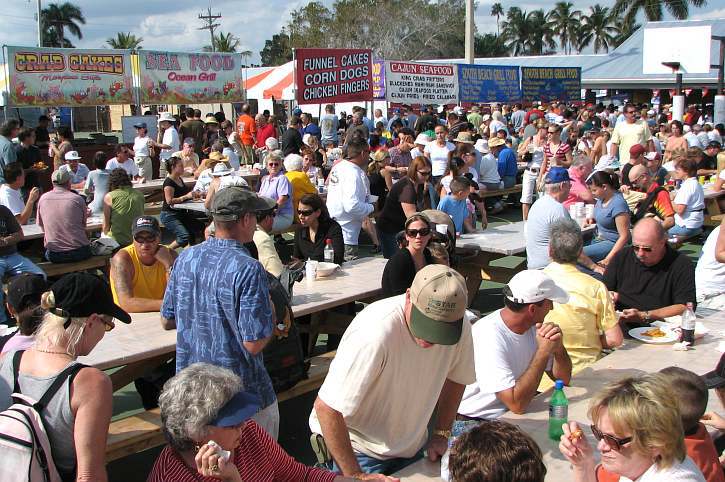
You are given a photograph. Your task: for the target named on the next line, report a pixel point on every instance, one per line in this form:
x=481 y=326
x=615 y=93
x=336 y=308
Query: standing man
x=309 y=127
x=348 y=194
x=517 y=117
x=8 y=131
x=42 y=136
x=409 y=354
x=194 y=128
x=247 y=130
x=628 y=133
x=168 y=139
x=329 y=123
x=291 y=140
x=218 y=300
x=265 y=130
x=357 y=129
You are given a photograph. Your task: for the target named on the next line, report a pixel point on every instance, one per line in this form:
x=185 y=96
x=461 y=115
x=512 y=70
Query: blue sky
x=174 y=25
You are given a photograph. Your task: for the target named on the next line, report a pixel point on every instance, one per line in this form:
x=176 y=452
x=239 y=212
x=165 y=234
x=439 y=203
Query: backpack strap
x=16 y=370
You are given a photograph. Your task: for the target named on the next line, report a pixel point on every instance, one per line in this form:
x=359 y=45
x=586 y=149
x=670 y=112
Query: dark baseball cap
x=240 y=408
x=25 y=290
x=232 y=202
x=716 y=378
x=715 y=144
x=148 y=224
x=82 y=294
x=140 y=125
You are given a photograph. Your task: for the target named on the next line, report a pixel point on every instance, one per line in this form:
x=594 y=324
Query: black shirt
x=179 y=190
x=378 y=188
x=392 y=217
x=42 y=137
x=291 y=141
x=625 y=174
x=399 y=272
x=8 y=225
x=708 y=162
x=306 y=249
x=28 y=155
x=669 y=282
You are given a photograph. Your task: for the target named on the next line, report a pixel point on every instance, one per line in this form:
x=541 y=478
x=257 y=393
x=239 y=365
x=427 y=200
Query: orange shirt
x=246 y=129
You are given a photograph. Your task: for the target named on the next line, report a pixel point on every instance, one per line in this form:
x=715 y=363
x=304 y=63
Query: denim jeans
x=174 y=222
x=599 y=249
x=72 y=256
x=370 y=465
x=683 y=232
x=282 y=222
x=13 y=265
x=388 y=244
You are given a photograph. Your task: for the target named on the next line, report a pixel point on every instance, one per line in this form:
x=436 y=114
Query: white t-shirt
x=543 y=213
x=691 y=195
x=128 y=165
x=141 y=146
x=385 y=385
x=501 y=357
x=348 y=199
x=12 y=199
x=489 y=170
x=171 y=138
x=709 y=272
x=439 y=156
x=685 y=471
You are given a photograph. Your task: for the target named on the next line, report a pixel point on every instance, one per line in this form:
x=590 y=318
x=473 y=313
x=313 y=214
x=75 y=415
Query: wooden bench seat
x=713 y=220
x=139 y=432
x=501 y=192
x=152 y=208
x=59 y=269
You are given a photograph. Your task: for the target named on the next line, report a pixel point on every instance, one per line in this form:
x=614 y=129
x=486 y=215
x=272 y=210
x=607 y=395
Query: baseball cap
x=231 y=202
x=239 y=408
x=61 y=176
x=716 y=378
x=532 y=286
x=82 y=294
x=147 y=224
x=72 y=156
x=557 y=174
x=714 y=144
x=439 y=298
x=140 y=125
x=25 y=290
x=651 y=156
x=636 y=150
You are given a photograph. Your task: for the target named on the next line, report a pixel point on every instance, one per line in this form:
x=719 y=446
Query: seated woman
x=276 y=186
x=121 y=206
x=317 y=228
x=79 y=311
x=206 y=170
x=689 y=202
x=301 y=184
x=23 y=303
x=638 y=429
x=400 y=270
x=611 y=214
x=175 y=192
x=310 y=165
x=97 y=183
x=206 y=419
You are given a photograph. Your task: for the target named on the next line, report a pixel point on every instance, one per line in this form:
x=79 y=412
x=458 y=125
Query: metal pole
x=678 y=84
x=40 y=28
x=470 y=11
x=721 y=69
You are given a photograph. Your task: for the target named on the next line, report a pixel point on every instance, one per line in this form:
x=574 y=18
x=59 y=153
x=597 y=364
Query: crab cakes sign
x=68 y=77
x=190 y=78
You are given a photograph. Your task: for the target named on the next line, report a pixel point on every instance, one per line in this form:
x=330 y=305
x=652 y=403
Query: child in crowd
x=691 y=392
x=454 y=204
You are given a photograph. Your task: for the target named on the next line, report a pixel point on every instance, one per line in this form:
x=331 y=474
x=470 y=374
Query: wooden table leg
x=127 y=374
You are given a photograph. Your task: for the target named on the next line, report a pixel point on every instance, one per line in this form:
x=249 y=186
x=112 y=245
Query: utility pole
x=40 y=28
x=470 y=41
x=210 y=25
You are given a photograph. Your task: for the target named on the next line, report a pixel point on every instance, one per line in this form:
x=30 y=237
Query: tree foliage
x=125 y=41
x=490 y=45
x=223 y=43
x=654 y=9
x=565 y=22
x=528 y=33
x=56 y=19
x=599 y=28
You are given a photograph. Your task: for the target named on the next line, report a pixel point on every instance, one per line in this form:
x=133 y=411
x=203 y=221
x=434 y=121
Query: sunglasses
x=613 y=442
x=273 y=164
x=646 y=249
x=424 y=173
x=413 y=233
x=145 y=239
x=305 y=212
x=108 y=325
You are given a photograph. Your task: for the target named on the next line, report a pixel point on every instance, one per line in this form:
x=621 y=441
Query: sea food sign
x=68 y=77
x=190 y=78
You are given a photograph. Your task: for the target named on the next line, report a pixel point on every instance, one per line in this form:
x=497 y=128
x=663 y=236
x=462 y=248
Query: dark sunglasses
x=302 y=212
x=145 y=239
x=646 y=249
x=424 y=173
x=273 y=164
x=413 y=233
x=613 y=442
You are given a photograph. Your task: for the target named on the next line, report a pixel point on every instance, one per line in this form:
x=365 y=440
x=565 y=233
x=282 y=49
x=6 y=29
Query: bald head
x=650 y=227
x=636 y=172
x=649 y=240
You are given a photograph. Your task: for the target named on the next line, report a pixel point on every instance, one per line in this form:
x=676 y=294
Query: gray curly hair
x=192 y=399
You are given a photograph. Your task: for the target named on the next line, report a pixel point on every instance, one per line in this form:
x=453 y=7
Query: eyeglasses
x=273 y=164
x=646 y=249
x=413 y=233
x=145 y=239
x=108 y=322
x=305 y=212
x=613 y=442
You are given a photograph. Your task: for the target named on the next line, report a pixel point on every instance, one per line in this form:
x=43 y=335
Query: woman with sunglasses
x=408 y=196
x=401 y=268
x=317 y=228
x=556 y=151
x=276 y=186
x=532 y=150
x=639 y=433
x=79 y=310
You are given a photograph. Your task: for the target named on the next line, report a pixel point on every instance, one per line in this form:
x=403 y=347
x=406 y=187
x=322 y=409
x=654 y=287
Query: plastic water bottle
x=687 y=325
x=558 y=411
x=329 y=253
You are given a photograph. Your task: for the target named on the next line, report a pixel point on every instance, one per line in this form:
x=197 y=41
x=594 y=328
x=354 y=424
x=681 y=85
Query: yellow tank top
x=148 y=281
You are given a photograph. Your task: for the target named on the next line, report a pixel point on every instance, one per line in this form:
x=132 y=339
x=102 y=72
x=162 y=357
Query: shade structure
x=277 y=82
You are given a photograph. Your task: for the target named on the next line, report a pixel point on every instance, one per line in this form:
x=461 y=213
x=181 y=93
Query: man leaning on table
x=513 y=348
x=650 y=280
x=218 y=300
x=399 y=359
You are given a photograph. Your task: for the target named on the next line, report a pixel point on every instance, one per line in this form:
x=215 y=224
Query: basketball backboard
x=690 y=46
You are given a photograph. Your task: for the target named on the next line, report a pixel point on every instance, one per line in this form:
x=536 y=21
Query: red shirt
x=264 y=133
x=258 y=458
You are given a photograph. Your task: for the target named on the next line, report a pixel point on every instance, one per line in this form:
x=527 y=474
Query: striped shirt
x=258 y=458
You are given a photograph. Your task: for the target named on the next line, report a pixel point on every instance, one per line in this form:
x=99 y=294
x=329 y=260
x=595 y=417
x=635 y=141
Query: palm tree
x=540 y=34
x=653 y=8
x=497 y=11
x=223 y=43
x=490 y=45
x=56 y=18
x=566 y=22
x=126 y=41
x=515 y=31
x=599 y=26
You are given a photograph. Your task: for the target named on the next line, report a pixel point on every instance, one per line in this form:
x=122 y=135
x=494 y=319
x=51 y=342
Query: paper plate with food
x=654 y=334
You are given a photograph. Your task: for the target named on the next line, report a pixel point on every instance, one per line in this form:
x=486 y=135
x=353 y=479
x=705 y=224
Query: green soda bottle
x=558 y=411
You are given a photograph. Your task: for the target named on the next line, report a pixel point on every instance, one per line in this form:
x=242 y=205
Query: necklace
x=51 y=351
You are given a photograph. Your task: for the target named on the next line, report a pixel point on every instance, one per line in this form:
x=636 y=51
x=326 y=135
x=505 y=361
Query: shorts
x=145 y=167
x=528 y=185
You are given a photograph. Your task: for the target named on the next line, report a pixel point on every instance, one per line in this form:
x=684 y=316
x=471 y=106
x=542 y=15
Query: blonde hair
x=52 y=332
x=646 y=407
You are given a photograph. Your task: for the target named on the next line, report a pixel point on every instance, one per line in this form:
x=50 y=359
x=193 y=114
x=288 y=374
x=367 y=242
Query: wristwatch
x=647 y=316
x=442 y=433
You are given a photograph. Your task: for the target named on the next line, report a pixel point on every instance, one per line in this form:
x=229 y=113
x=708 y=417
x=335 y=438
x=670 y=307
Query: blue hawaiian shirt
x=219 y=297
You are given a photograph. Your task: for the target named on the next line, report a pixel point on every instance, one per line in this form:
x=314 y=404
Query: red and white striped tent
x=277 y=82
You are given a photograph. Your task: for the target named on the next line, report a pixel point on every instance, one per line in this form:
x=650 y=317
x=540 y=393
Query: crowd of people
x=607 y=196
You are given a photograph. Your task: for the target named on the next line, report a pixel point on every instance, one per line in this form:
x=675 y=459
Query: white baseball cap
x=72 y=156
x=532 y=286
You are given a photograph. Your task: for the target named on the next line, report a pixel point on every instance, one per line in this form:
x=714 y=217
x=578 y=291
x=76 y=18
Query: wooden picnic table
x=633 y=358
x=144 y=343
x=195 y=206
x=34 y=231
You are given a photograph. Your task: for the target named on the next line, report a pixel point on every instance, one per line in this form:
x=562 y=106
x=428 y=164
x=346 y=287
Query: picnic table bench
x=59 y=269
x=501 y=192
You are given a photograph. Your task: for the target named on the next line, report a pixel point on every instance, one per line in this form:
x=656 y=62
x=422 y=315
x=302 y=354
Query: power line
x=210 y=25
